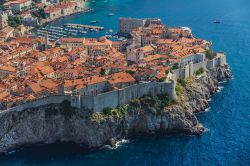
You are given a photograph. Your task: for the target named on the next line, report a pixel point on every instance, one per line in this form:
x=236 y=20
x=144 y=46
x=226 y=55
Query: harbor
x=66 y=30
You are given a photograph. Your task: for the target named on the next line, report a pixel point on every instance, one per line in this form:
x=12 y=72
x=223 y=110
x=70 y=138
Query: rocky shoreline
x=60 y=122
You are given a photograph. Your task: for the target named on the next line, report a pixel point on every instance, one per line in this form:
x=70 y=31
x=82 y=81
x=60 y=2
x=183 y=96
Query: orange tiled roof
x=121 y=77
x=8 y=68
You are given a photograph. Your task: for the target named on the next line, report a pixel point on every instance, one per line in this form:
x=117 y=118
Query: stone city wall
x=123 y=96
x=191 y=68
x=40 y=102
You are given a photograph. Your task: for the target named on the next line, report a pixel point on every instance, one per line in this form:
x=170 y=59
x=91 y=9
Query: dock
x=87 y=27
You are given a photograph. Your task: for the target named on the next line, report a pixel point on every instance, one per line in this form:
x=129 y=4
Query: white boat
x=217 y=21
x=110 y=14
x=83 y=32
x=93 y=22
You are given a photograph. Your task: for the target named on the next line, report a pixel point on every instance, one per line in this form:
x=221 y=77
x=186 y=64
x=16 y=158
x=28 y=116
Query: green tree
x=175 y=66
x=162 y=79
x=130 y=72
x=167 y=72
x=200 y=71
x=102 y=72
x=14 y=21
x=107 y=111
x=209 y=54
x=40 y=14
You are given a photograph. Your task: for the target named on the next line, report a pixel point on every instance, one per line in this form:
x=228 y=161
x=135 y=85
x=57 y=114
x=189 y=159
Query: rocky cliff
x=60 y=122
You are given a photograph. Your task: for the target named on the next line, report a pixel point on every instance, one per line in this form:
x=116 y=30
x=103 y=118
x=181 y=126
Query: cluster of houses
x=33 y=68
x=28 y=14
x=40 y=11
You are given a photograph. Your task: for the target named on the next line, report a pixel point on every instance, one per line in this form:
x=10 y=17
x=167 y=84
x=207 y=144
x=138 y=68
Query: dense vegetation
x=14 y=21
x=175 y=66
x=152 y=104
x=40 y=14
x=119 y=112
x=209 y=54
x=181 y=84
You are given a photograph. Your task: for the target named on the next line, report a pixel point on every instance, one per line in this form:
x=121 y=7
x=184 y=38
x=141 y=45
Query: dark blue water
x=227 y=141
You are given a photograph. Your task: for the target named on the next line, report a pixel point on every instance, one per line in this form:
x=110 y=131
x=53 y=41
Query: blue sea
x=226 y=141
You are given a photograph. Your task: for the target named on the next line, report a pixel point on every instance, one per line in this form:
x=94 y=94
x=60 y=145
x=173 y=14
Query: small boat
x=121 y=38
x=83 y=32
x=110 y=14
x=110 y=30
x=108 y=36
x=217 y=21
x=93 y=22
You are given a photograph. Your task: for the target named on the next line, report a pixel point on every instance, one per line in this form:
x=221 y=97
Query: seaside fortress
x=126 y=25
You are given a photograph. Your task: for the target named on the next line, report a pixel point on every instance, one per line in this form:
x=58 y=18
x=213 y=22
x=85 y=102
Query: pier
x=87 y=27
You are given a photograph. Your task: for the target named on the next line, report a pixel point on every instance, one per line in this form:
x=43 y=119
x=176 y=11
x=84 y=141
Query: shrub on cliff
x=152 y=104
x=209 y=54
x=96 y=117
x=178 y=90
x=182 y=82
x=107 y=111
x=119 y=112
x=135 y=102
x=123 y=110
x=200 y=71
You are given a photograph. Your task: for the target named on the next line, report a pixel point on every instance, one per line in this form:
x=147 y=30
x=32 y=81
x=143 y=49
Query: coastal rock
x=59 y=122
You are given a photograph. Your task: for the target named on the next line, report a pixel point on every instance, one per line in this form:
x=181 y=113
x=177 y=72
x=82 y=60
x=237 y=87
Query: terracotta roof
x=3 y=95
x=46 y=70
x=49 y=84
x=35 y=87
x=72 y=40
x=120 y=77
x=8 y=68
